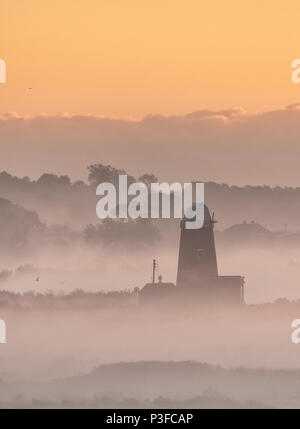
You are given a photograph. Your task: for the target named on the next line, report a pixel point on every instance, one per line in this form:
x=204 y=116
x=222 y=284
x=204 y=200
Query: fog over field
x=91 y=269
x=75 y=342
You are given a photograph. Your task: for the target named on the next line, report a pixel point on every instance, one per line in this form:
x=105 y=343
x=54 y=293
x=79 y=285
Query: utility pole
x=154 y=265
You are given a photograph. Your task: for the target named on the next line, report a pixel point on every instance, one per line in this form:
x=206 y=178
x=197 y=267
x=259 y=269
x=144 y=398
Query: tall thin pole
x=153 y=270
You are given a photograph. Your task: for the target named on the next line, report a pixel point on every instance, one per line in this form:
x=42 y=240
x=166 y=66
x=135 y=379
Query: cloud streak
x=225 y=146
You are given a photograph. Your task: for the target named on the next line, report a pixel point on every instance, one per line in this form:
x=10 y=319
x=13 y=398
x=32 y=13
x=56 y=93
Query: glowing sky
x=136 y=57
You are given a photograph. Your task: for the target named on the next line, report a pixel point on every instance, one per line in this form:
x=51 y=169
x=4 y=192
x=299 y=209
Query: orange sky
x=136 y=57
